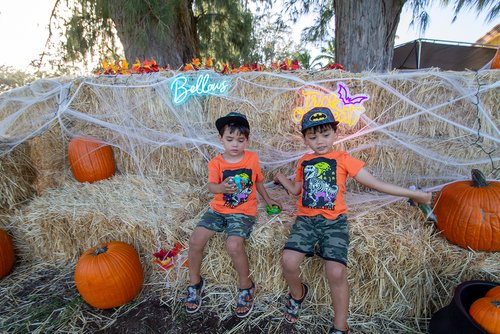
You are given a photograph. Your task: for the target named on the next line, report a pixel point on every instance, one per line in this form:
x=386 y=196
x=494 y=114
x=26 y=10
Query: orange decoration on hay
x=196 y=64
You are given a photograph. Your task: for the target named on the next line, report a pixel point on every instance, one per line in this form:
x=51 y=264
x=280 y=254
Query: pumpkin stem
x=100 y=250
x=478 y=179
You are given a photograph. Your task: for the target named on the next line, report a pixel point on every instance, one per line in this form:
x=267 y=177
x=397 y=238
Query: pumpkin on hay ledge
x=7 y=257
x=468 y=213
x=109 y=275
x=90 y=159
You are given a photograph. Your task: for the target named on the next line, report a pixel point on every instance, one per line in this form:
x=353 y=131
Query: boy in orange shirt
x=321 y=214
x=233 y=177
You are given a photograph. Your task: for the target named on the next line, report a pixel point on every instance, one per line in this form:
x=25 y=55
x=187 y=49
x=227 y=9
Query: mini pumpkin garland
x=90 y=159
x=7 y=256
x=468 y=213
x=109 y=275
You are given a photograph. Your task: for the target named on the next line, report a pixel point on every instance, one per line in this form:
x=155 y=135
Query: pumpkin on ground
x=109 y=275
x=468 y=213
x=494 y=292
x=486 y=312
x=7 y=257
x=90 y=160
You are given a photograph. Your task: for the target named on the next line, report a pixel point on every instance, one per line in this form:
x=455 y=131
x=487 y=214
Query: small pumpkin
x=90 y=159
x=486 y=312
x=494 y=292
x=7 y=257
x=468 y=213
x=109 y=275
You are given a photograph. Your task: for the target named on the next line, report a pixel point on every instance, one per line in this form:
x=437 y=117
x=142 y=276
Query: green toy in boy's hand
x=273 y=210
x=426 y=208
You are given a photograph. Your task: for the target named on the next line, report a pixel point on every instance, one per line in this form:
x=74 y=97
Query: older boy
x=321 y=214
x=233 y=178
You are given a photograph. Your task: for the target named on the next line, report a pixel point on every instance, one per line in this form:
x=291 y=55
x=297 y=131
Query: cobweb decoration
x=423 y=128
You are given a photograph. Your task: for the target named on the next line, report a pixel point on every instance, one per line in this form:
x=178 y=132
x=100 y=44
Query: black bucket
x=455 y=318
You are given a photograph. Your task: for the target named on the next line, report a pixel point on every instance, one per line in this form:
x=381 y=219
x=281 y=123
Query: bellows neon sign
x=345 y=108
x=183 y=87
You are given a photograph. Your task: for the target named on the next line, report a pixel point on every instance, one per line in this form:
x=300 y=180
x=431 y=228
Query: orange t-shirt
x=248 y=171
x=323 y=180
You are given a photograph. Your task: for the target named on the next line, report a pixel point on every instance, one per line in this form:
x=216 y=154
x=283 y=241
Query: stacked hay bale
x=145 y=212
x=399 y=266
x=17 y=175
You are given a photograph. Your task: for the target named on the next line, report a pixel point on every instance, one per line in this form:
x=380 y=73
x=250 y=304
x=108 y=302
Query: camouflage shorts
x=234 y=224
x=328 y=239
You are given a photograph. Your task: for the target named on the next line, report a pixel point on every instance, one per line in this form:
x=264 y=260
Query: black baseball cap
x=234 y=118
x=317 y=116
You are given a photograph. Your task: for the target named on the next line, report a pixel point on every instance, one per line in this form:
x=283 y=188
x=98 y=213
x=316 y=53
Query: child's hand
x=228 y=186
x=272 y=202
x=278 y=178
x=421 y=197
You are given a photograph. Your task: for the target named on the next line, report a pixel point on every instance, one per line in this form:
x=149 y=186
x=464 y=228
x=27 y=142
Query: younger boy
x=321 y=214
x=233 y=177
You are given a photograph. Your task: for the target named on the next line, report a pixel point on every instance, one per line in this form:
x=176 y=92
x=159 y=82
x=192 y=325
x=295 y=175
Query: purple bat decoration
x=346 y=99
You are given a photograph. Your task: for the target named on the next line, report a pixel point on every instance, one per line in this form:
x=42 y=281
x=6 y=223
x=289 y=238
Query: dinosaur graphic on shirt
x=320 y=186
x=243 y=180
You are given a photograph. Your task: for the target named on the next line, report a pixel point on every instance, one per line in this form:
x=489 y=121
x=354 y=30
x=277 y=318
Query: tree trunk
x=171 y=41
x=364 y=33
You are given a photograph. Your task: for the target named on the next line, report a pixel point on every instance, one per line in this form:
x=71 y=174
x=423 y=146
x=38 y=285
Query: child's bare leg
x=290 y=262
x=236 y=249
x=197 y=242
x=339 y=288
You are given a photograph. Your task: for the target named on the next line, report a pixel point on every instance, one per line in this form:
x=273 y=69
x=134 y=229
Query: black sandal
x=193 y=293
x=245 y=300
x=292 y=306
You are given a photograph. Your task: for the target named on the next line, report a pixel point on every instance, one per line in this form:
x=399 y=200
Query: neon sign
x=345 y=108
x=183 y=87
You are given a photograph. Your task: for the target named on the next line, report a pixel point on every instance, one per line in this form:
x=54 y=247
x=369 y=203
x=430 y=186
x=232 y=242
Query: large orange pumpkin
x=109 y=275
x=486 y=312
x=7 y=257
x=90 y=160
x=468 y=213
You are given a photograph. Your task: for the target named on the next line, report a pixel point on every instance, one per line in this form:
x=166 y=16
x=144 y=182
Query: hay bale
x=399 y=267
x=426 y=127
x=16 y=177
x=64 y=222
x=48 y=155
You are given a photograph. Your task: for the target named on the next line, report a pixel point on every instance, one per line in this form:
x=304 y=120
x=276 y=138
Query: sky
x=23 y=38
